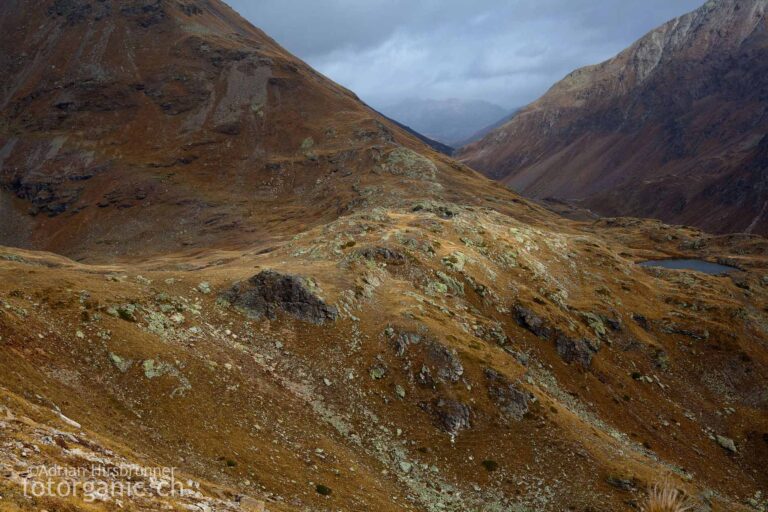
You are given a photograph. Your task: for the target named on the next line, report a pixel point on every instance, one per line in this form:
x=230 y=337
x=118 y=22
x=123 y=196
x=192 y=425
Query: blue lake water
x=697 y=265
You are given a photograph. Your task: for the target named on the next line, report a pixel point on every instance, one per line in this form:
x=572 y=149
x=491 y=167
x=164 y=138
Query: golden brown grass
x=665 y=497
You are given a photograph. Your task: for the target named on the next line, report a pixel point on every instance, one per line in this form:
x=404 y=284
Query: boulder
x=451 y=416
x=569 y=349
x=445 y=361
x=642 y=321
x=595 y=322
x=574 y=349
x=727 y=444
x=512 y=401
x=455 y=261
x=268 y=292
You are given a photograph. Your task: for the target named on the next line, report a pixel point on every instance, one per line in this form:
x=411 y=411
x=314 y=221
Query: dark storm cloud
x=504 y=51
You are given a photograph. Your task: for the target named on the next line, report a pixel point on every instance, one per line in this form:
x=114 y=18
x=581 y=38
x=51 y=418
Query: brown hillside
x=144 y=127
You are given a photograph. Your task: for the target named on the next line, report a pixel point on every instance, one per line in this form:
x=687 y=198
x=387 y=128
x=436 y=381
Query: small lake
x=697 y=265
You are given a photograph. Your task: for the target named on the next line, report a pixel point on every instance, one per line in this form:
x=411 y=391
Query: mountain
x=671 y=128
x=486 y=130
x=437 y=146
x=217 y=262
x=450 y=121
x=145 y=127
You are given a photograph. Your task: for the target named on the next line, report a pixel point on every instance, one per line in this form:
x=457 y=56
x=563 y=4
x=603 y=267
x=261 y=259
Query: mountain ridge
x=624 y=137
x=224 y=101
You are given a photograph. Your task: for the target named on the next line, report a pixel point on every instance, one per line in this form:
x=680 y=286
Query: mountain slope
x=673 y=127
x=150 y=126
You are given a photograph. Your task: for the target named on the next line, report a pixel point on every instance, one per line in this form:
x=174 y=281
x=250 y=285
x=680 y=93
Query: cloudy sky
x=507 y=52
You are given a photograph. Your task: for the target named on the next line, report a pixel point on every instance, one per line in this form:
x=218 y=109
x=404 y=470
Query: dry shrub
x=665 y=497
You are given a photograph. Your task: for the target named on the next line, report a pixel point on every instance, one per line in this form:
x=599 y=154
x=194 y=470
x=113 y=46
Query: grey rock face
x=532 y=322
x=452 y=416
x=446 y=363
x=568 y=348
x=268 y=292
x=512 y=401
x=383 y=254
x=76 y=11
x=574 y=350
x=402 y=340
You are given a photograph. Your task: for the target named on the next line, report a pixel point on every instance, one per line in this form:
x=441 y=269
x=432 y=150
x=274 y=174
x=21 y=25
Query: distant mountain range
x=673 y=128
x=486 y=130
x=436 y=145
x=454 y=122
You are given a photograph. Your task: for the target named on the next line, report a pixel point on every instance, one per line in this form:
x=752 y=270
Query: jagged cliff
x=672 y=128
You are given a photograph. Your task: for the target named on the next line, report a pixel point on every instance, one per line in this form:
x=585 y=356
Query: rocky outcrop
x=445 y=363
x=402 y=339
x=570 y=349
x=269 y=292
x=575 y=349
x=435 y=363
x=531 y=321
x=451 y=416
x=409 y=164
x=145 y=13
x=382 y=254
x=512 y=401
